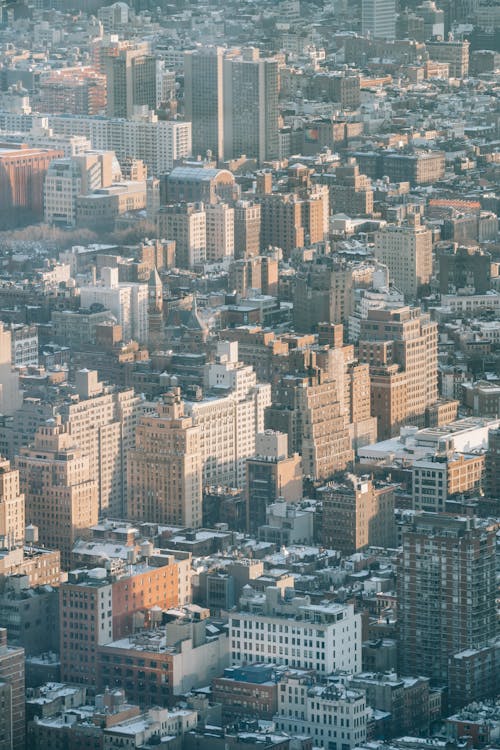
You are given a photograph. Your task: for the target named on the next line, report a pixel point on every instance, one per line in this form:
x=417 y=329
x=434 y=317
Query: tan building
x=400 y=345
x=407 y=252
x=455 y=53
x=61 y=493
x=131 y=78
x=75 y=91
x=102 y=422
x=220 y=232
x=12 y=695
x=444 y=477
x=186 y=223
x=246 y=229
x=351 y=193
x=357 y=513
x=271 y=474
x=11 y=507
x=165 y=467
x=282 y=222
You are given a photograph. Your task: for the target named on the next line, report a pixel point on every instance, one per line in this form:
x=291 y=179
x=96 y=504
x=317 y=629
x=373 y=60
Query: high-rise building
x=186 y=224
x=407 y=252
x=492 y=489
x=12 y=695
x=351 y=193
x=246 y=229
x=131 y=78
x=165 y=467
x=271 y=474
x=204 y=99
x=400 y=345
x=444 y=477
x=10 y=396
x=127 y=301
x=76 y=91
x=11 y=508
x=60 y=489
x=446 y=592
x=220 y=231
x=378 y=19
x=229 y=416
x=357 y=513
x=251 y=87
x=22 y=174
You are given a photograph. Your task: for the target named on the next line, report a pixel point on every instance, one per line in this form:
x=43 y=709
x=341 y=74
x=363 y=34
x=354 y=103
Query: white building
x=332 y=715
x=10 y=396
x=407 y=252
x=230 y=416
x=24 y=345
x=127 y=301
x=290 y=630
x=157 y=142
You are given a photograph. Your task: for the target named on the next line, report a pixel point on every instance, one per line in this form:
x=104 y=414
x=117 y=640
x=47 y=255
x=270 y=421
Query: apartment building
x=406 y=250
x=357 y=513
x=220 y=232
x=128 y=301
x=12 y=694
x=246 y=229
x=444 y=477
x=287 y=629
x=229 y=415
x=12 y=517
x=186 y=224
x=10 y=395
x=446 y=592
x=331 y=714
x=98 y=606
x=61 y=493
x=164 y=473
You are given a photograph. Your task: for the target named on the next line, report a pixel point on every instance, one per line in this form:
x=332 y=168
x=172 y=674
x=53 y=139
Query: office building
x=165 y=467
x=204 y=99
x=406 y=250
x=200 y=182
x=60 y=489
x=400 y=345
x=10 y=396
x=357 y=513
x=186 y=224
x=22 y=174
x=453 y=52
x=12 y=695
x=24 y=345
x=220 y=232
x=378 y=19
x=130 y=78
x=289 y=630
x=351 y=193
x=247 y=691
x=246 y=229
x=251 y=88
x=127 y=301
x=329 y=713
x=446 y=592
x=229 y=416
x=12 y=520
x=270 y=475
x=77 y=328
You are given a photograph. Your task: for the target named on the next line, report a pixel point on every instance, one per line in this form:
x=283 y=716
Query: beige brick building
x=407 y=252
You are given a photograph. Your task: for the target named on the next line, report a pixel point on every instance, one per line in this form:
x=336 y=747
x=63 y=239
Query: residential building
x=165 y=468
x=287 y=629
x=127 y=301
x=12 y=695
x=270 y=475
x=10 y=396
x=220 y=232
x=357 y=513
x=114 y=601
x=453 y=52
x=61 y=492
x=446 y=592
x=246 y=229
x=247 y=691
x=12 y=517
x=444 y=477
x=406 y=250
x=186 y=224
x=400 y=345
x=131 y=78
x=331 y=714
x=24 y=345
x=76 y=91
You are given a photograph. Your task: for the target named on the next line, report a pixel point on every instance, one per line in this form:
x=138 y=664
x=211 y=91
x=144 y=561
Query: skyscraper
x=378 y=18
x=131 y=79
x=203 y=99
x=61 y=492
x=251 y=106
x=165 y=468
x=446 y=592
x=407 y=252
